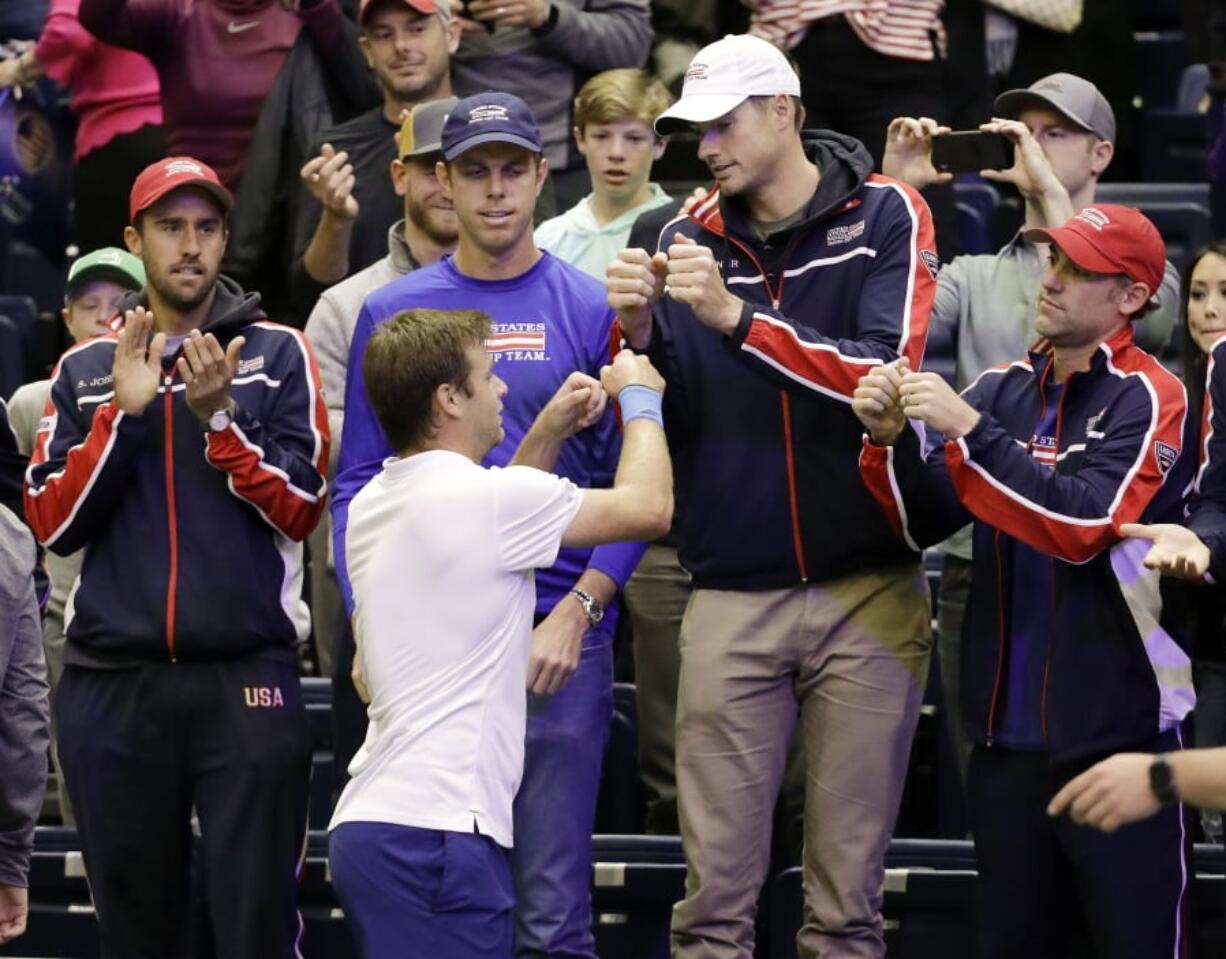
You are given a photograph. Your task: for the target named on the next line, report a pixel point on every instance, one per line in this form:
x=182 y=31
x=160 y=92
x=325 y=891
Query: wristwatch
x=1162 y=781
x=593 y=608
x=219 y=420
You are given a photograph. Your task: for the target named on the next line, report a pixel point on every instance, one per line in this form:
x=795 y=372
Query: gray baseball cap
x=422 y=131
x=1077 y=99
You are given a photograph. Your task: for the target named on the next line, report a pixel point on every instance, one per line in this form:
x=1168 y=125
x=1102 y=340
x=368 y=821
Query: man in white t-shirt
x=440 y=553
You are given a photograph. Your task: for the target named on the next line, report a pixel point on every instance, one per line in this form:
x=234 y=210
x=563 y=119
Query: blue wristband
x=641 y=403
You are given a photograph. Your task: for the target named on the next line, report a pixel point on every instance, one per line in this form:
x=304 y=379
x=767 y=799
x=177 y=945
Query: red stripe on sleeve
x=875 y=471
x=51 y=505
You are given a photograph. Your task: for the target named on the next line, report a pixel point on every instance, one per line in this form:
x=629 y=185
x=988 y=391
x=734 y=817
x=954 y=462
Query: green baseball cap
x=107 y=263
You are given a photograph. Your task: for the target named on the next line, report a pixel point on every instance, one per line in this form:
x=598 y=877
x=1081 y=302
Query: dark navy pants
x=422 y=892
x=1045 y=884
x=139 y=749
x=555 y=809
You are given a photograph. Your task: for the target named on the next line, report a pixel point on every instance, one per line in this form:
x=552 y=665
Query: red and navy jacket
x=1116 y=669
x=763 y=438
x=1208 y=516
x=192 y=539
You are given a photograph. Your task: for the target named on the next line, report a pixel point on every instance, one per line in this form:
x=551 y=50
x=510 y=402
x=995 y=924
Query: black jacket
x=311 y=94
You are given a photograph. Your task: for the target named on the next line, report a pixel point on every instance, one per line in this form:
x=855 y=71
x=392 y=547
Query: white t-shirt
x=440 y=553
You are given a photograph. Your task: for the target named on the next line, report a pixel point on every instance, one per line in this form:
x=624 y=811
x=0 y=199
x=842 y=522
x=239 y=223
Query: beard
x=428 y=222
x=176 y=300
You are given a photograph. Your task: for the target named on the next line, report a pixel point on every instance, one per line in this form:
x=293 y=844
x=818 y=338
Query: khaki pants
x=848 y=657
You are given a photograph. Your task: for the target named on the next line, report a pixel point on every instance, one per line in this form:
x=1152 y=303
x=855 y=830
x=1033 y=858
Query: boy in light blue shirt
x=614 y=113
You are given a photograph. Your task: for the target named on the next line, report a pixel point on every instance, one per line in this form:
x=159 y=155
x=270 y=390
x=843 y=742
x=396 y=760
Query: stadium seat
x=621 y=804
x=974 y=232
x=317 y=696
x=1138 y=194
x=636 y=881
x=12 y=357
x=1186 y=227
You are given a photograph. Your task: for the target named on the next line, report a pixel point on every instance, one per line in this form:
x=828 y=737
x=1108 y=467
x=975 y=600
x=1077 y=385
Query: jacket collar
x=1120 y=342
x=844 y=163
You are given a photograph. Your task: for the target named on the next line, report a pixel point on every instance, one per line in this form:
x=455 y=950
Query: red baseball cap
x=165 y=176
x=1108 y=238
x=421 y=6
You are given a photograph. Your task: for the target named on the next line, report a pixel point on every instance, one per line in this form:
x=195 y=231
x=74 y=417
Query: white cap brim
x=697 y=108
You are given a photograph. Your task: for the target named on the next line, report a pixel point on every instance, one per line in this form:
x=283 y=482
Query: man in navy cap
x=549 y=320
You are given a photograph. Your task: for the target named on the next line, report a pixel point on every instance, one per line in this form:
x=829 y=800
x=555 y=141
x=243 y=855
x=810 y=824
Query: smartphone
x=969 y=151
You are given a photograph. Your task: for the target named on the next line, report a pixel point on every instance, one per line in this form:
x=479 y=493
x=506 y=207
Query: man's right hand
x=329 y=178
x=908 y=151
x=1031 y=173
x=137 y=367
x=877 y=402
x=635 y=283
x=630 y=369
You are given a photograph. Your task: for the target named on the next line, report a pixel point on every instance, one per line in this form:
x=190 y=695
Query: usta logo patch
x=1165 y=455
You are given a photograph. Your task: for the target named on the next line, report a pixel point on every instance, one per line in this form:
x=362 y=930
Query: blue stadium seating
x=12 y=357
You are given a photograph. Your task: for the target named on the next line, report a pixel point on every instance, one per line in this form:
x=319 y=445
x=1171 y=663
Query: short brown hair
x=408 y=358
x=616 y=95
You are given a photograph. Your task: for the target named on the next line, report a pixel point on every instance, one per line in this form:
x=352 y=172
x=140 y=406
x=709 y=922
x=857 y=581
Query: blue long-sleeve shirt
x=548 y=322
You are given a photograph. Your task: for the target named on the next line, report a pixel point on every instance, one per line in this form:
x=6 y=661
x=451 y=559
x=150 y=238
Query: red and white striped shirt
x=895 y=28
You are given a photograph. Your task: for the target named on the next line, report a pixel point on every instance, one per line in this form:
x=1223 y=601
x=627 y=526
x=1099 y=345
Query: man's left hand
x=509 y=13
x=927 y=397
x=1177 y=551
x=556 y=645
x=1110 y=794
x=694 y=279
x=579 y=402
x=207 y=371
x=14 y=910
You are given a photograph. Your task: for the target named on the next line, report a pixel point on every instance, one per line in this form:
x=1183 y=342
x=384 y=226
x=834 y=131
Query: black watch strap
x=1162 y=780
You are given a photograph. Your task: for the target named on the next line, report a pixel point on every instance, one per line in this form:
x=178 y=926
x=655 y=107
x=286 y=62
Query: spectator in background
x=23 y=721
x=427 y=231
x=550 y=320
x=614 y=113
x=863 y=63
x=187 y=453
x=352 y=204
x=119 y=118
x=1063 y=131
x=309 y=96
x=97 y=282
x=216 y=61
x=542 y=51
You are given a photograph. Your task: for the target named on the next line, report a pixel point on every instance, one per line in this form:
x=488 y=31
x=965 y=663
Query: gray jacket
x=546 y=68
x=330 y=326
x=24 y=707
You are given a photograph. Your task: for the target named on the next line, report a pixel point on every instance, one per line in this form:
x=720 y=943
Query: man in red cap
x=186 y=454
x=1068 y=651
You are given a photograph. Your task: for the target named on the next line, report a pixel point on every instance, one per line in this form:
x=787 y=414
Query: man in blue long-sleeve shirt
x=549 y=320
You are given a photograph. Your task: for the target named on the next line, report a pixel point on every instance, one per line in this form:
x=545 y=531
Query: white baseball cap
x=723 y=75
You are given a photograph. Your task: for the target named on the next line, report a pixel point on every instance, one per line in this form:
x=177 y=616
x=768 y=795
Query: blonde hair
x=616 y=95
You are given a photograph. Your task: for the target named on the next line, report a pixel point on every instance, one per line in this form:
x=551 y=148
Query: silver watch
x=593 y=608
x=219 y=420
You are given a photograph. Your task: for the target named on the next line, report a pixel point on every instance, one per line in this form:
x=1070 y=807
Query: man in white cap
x=1063 y=131
x=762 y=306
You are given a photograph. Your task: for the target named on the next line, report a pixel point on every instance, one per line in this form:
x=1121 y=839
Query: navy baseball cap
x=489 y=118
